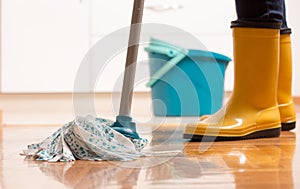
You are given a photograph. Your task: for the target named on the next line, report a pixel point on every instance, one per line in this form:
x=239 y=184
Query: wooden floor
x=261 y=163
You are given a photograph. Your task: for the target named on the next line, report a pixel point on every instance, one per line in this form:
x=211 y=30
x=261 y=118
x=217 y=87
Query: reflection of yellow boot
x=252 y=111
x=285 y=100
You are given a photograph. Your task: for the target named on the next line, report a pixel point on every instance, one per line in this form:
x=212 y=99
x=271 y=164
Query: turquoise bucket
x=185 y=82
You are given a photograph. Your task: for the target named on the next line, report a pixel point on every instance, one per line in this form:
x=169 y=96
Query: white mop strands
x=86 y=138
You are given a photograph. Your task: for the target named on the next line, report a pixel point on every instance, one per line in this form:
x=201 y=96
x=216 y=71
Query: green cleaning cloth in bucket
x=86 y=138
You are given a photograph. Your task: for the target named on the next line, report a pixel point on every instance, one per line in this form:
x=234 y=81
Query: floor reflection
x=176 y=172
x=264 y=163
x=1 y=158
x=149 y=172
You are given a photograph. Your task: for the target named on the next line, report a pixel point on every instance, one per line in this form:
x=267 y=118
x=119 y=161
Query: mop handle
x=132 y=51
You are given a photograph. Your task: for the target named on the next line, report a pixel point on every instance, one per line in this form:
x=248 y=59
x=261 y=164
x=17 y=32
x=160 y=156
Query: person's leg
x=252 y=111
x=275 y=11
x=260 y=10
x=284 y=28
x=284 y=93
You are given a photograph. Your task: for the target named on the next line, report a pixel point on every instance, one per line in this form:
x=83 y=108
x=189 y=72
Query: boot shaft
x=284 y=93
x=285 y=70
x=256 y=61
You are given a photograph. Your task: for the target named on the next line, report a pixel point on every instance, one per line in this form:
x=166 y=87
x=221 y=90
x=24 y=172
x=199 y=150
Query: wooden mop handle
x=132 y=52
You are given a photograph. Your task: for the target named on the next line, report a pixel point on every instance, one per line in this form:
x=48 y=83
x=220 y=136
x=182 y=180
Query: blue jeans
x=262 y=11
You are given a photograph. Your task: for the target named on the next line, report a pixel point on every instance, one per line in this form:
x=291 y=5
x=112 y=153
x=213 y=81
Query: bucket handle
x=176 y=55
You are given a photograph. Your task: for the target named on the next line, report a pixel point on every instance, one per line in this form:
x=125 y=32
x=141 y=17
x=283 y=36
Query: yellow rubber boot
x=284 y=93
x=252 y=111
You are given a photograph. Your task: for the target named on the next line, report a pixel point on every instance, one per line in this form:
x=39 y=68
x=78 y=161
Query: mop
x=92 y=138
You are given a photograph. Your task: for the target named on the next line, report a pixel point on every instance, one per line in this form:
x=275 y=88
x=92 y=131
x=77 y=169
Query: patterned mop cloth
x=86 y=138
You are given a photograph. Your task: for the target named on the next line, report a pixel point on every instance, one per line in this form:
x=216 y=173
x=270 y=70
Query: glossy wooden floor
x=262 y=163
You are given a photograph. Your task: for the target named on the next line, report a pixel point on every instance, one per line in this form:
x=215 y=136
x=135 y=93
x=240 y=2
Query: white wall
x=26 y=27
x=293 y=14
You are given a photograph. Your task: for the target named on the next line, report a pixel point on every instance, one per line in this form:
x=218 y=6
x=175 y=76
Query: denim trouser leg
x=262 y=11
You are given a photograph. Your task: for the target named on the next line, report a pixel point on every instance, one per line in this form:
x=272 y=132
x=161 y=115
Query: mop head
x=86 y=138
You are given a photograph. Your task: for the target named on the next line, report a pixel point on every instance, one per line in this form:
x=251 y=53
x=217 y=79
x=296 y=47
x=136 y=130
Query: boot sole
x=255 y=135
x=288 y=126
